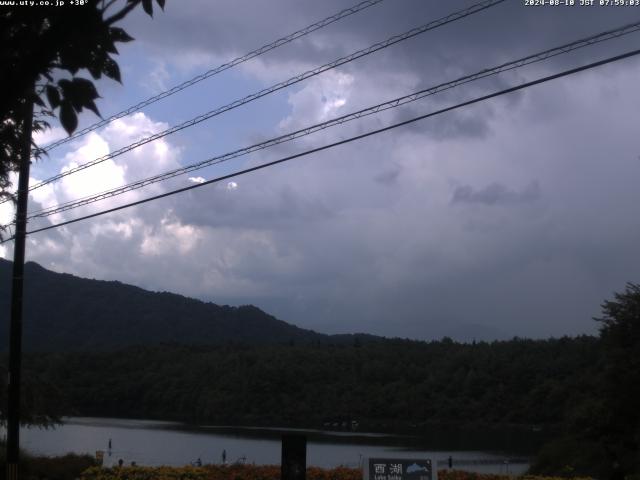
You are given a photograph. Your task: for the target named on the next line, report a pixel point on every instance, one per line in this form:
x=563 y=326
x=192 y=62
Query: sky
x=516 y=216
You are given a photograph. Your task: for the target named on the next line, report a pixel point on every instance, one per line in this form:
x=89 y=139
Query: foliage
x=145 y=473
x=41 y=401
x=604 y=430
x=572 y=455
x=214 y=472
x=266 y=472
x=43 y=51
x=620 y=334
x=462 y=475
x=387 y=385
x=67 y=467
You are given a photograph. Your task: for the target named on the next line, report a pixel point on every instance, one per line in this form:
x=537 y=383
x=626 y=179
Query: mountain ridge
x=66 y=312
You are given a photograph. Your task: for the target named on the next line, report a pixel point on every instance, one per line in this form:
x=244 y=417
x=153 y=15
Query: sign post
x=294 y=457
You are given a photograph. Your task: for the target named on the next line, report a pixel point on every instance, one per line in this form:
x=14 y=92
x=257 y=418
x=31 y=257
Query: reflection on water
x=169 y=443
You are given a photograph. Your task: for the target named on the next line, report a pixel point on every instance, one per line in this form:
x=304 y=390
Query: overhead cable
x=291 y=81
x=221 y=68
x=345 y=141
x=396 y=102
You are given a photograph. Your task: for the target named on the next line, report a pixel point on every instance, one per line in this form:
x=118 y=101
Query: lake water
x=169 y=443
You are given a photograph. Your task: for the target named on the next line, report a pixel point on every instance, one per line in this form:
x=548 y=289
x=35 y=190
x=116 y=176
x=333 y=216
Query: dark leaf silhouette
x=119 y=35
x=93 y=107
x=148 y=6
x=68 y=117
x=95 y=69
x=80 y=92
x=111 y=70
x=53 y=95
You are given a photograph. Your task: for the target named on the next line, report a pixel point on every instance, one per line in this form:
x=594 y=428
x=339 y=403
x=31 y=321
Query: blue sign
x=400 y=469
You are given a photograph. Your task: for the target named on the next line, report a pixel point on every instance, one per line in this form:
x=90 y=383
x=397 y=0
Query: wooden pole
x=15 y=333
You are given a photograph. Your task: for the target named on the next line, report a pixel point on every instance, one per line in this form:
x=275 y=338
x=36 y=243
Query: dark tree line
x=395 y=384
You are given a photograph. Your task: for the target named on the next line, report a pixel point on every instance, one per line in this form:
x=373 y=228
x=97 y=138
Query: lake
x=149 y=442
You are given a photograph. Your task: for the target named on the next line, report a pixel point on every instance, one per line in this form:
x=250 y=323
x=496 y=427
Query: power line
x=291 y=81
x=537 y=57
x=348 y=140
x=221 y=68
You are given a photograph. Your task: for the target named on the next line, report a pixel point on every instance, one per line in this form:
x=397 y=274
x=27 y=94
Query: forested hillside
x=64 y=312
x=387 y=385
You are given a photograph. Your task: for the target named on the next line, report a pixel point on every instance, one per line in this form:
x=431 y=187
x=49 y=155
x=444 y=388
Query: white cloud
x=170 y=238
x=103 y=176
x=82 y=239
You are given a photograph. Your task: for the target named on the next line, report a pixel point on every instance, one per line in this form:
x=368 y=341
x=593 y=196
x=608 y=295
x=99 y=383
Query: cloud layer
x=511 y=217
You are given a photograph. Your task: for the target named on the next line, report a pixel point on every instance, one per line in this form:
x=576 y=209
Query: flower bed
x=214 y=472
x=462 y=475
x=264 y=472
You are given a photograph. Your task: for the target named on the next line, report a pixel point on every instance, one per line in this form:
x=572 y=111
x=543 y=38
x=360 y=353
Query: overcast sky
x=515 y=216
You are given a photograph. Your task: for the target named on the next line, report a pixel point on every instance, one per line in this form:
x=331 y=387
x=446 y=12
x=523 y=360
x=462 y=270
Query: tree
x=601 y=431
x=620 y=336
x=44 y=52
x=43 y=49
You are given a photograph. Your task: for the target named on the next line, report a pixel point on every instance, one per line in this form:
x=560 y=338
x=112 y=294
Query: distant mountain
x=64 y=312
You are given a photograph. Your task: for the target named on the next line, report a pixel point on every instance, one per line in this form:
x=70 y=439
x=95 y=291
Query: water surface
x=149 y=442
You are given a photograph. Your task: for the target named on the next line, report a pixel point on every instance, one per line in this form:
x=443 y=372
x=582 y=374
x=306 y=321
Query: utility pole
x=15 y=332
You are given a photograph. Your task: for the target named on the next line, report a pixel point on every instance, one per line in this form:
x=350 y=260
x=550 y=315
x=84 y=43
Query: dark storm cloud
x=251 y=204
x=388 y=177
x=474 y=122
x=505 y=32
x=496 y=194
x=495 y=35
x=438 y=229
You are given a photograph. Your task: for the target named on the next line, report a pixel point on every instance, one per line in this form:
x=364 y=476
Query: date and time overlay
x=526 y=3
